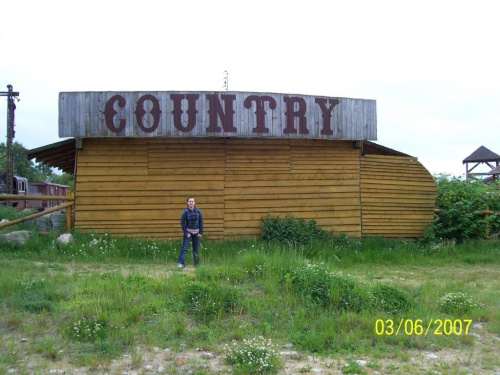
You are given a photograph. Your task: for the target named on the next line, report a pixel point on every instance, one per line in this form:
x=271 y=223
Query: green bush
x=291 y=230
x=311 y=282
x=326 y=288
x=391 y=299
x=460 y=203
x=349 y=295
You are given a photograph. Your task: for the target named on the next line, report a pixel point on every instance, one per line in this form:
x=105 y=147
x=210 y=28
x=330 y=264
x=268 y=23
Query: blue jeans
x=185 y=244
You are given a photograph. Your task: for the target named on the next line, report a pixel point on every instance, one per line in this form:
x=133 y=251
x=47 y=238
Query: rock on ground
x=19 y=237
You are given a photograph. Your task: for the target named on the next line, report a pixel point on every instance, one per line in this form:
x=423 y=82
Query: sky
x=433 y=67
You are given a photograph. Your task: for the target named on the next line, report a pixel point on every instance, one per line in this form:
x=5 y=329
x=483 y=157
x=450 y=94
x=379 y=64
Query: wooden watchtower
x=481 y=156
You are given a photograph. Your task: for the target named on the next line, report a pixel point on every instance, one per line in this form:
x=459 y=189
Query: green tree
x=22 y=165
x=64 y=179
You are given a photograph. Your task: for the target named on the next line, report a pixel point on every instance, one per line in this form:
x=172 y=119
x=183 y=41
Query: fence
x=67 y=205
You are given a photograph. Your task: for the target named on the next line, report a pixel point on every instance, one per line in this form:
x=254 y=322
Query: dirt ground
x=168 y=361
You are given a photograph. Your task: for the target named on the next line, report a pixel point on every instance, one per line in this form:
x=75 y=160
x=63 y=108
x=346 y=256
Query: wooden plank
x=326 y=223
x=187 y=178
x=117 y=171
x=160 y=199
x=147 y=185
x=166 y=225
x=293 y=193
x=134 y=215
x=191 y=170
x=293 y=210
x=257 y=181
x=333 y=202
x=267 y=178
x=331 y=214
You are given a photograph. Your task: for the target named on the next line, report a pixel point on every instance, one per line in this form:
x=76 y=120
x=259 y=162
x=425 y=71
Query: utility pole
x=11 y=107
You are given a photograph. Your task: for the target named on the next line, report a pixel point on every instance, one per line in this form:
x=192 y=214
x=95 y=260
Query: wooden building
x=137 y=156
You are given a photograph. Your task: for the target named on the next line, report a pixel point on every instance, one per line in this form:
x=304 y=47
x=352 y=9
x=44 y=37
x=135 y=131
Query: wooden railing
x=67 y=205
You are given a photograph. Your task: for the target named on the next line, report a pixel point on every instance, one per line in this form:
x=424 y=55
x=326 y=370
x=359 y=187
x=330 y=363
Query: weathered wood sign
x=214 y=114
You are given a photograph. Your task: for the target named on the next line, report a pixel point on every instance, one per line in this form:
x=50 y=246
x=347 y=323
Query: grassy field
x=115 y=305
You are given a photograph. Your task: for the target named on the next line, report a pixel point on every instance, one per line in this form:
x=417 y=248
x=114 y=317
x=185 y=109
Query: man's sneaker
x=180 y=265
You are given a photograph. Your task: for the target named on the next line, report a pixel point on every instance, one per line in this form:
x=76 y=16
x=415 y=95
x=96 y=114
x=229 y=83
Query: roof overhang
x=57 y=155
x=371 y=148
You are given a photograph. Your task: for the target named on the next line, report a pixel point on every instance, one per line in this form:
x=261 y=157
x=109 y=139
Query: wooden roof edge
x=376 y=149
x=36 y=151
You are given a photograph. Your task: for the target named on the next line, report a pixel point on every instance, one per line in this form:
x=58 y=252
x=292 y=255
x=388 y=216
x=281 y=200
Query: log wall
x=138 y=187
x=397 y=196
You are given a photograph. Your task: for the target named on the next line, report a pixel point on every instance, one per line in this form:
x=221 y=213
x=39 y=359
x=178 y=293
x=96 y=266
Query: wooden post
x=69 y=213
x=486 y=214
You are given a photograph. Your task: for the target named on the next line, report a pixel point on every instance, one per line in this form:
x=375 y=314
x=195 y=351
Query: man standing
x=192 y=228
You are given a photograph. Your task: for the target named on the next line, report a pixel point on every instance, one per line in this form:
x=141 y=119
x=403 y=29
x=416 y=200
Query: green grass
x=93 y=300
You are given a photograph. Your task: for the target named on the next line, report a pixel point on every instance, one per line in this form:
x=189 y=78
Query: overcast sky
x=432 y=66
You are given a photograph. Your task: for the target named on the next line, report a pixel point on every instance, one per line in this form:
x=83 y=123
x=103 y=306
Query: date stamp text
x=417 y=327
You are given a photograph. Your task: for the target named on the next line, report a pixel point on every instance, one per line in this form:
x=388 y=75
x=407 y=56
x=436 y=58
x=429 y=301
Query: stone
x=289 y=354
x=65 y=238
x=19 y=237
x=184 y=370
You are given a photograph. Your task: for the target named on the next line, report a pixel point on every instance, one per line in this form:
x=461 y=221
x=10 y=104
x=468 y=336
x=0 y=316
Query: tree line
x=33 y=171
